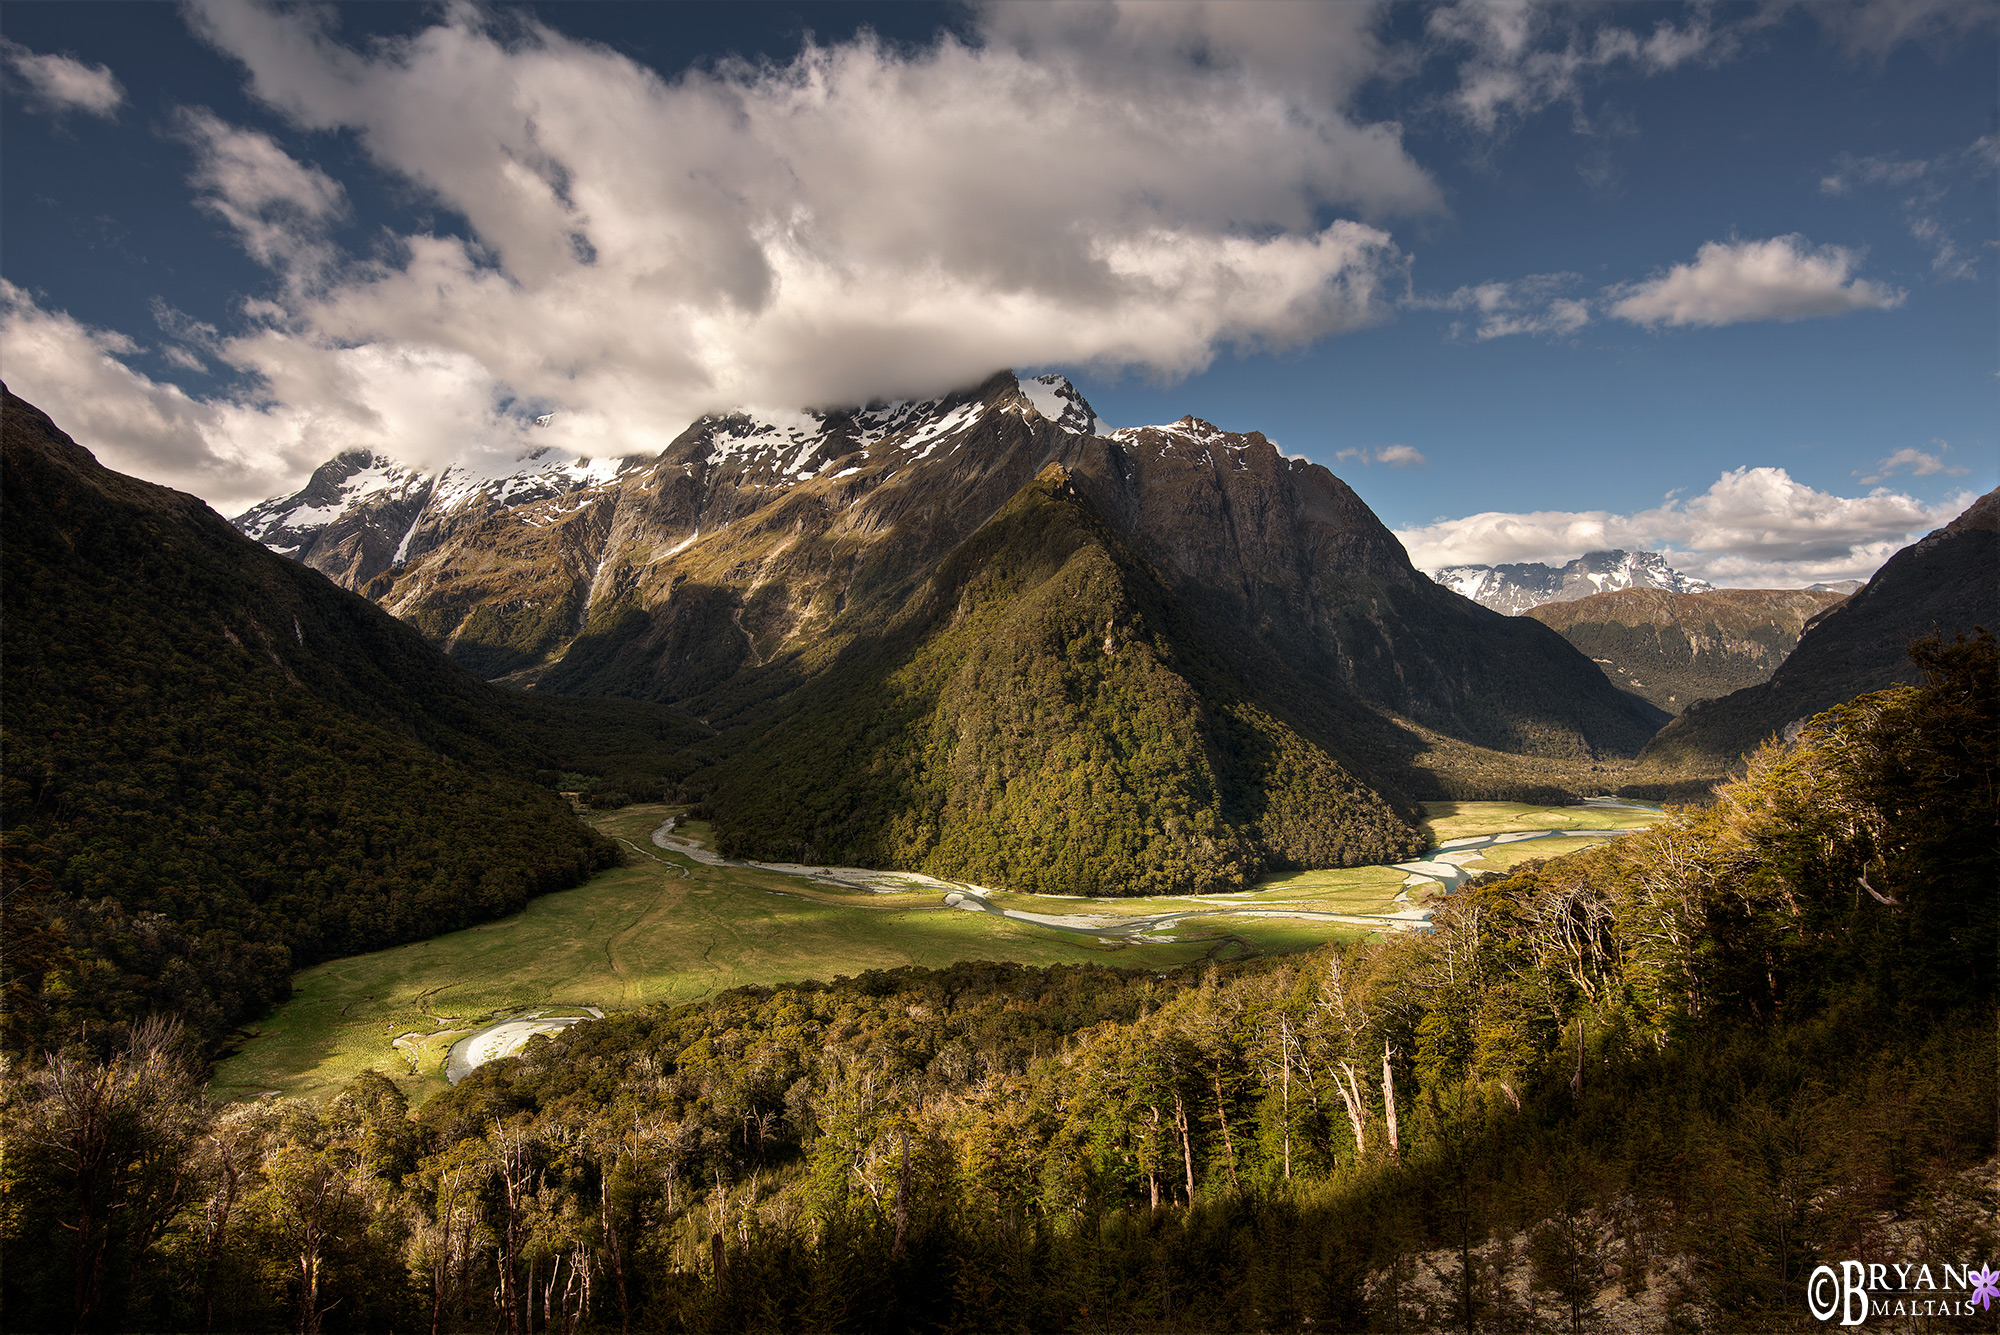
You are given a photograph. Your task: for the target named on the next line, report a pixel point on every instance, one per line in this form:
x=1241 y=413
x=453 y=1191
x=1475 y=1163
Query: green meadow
x=666 y=928
x=1445 y=821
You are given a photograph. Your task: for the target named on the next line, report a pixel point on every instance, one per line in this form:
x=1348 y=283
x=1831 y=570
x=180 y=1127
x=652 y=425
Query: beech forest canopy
x=1674 y=1072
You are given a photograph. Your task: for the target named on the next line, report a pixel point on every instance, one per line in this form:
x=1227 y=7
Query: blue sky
x=1717 y=280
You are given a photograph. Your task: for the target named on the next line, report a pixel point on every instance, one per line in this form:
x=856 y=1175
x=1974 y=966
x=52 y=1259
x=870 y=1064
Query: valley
x=678 y=922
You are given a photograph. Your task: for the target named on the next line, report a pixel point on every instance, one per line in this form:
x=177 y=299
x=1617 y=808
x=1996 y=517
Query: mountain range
x=980 y=636
x=1514 y=589
x=756 y=552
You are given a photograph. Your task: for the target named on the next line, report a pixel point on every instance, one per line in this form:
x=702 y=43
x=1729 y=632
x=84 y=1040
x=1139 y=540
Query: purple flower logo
x=1988 y=1282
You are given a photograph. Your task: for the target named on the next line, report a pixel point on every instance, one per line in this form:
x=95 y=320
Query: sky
x=1716 y=280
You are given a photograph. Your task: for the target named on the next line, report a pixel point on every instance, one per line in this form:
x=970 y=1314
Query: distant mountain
x=758 y=559
x=1841 y=586
x=1948 y=583
x=1514 y=589
x=219 y=767
x=1676 y=648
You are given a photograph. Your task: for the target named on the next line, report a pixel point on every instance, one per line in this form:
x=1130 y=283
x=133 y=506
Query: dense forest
x=1651 y=1085
x=1048 y=722
x=219 y=767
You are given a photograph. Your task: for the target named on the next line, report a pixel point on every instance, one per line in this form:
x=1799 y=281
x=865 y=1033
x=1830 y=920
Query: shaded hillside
x=1948 y=583
x=1047 y=720
x=219 y=767
x=1675 y=648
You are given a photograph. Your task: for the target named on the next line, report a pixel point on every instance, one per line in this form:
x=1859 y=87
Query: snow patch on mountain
x=759 y=449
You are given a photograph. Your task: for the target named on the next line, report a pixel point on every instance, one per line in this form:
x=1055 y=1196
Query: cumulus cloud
x=1396 y=456
x=1733 y=282
x=1918 y=463
x=234 y=452
x=1755 y=527
x=1531 y=305
x=1121 y=186
x=56 y=84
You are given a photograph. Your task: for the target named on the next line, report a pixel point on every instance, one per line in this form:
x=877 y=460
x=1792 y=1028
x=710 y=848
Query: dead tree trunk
x=1389 y=1100
x=1187 y=1144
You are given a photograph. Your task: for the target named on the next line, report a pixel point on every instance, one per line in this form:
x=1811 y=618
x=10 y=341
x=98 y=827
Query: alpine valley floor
x=675 y=923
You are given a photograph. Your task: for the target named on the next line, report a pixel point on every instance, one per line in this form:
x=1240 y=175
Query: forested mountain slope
x=1948 y=583
x=1676 y=648
x=1047 y=719
x=1647 y=1087
x=220 y=767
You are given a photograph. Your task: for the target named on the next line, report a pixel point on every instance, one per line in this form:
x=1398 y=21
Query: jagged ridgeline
x=1047 y=719
x=219 y=767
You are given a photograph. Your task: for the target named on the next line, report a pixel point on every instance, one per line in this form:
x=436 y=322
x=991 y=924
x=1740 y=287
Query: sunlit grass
x=1445 y=821
x=666 y=928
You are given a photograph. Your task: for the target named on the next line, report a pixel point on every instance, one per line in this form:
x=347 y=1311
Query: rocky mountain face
x=1514 y=589
x=757 y=559
x=1947 y=584
x=1676 y=648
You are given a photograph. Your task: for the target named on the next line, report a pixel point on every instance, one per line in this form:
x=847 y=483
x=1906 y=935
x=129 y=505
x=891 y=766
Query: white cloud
x=1396 y=456
x=279 y=207
x=1518 y=56
x=1732 y=282
x=1755 y=527
x=1121 y=185
x=1531 y=305
x=235 y=452
x=1317 y=51
x=57 y=84
x=1918 y=463
x=1927 y=185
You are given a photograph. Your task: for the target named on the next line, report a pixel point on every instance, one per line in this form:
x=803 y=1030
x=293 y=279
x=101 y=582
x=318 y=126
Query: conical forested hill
x=219 y=767
x=1047 y=717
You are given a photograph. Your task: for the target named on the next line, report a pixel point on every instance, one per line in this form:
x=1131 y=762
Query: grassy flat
x=667 y=928
x=1503 y=857
x=1445 y=821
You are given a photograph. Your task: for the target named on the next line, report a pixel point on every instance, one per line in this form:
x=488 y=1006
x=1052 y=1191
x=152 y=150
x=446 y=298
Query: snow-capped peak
x=336 y=486
x=1059 y=402
x=1514 y=589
